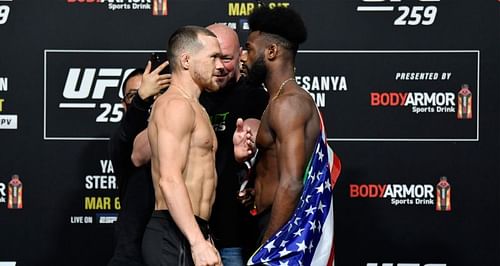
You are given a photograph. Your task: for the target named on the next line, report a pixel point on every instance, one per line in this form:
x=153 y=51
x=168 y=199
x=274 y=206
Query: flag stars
x=318 y=175
x=311 y=174
x=328 y=185
x=269 y=246
x=313 y=225
x=321 y=206
x=265 y=261
x=311 y=246
x=307 y=198
x=321 y=155
x=310 y=210
x=313 y=177
x=299 y=232
x=302 y=246
x=284 y=252
x=320 y=188
x=296 y=242
x=283 y=263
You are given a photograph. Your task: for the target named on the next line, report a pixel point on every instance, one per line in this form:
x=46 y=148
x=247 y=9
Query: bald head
x=227 y=37
x=230 y=48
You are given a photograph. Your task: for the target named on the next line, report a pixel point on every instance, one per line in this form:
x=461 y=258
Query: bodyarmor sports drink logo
x=4 y=12
x=83 y=92
x=464 y=103
x=124 y=4
x=420 y=102
x=404 y=12
x=399 y=194
x=15 y=193
x=443 y=195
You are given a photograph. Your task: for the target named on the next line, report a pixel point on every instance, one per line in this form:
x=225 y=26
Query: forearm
x=285 y=203
x=179 y=205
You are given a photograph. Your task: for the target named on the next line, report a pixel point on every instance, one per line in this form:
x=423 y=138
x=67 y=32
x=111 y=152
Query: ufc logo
x=84 y=85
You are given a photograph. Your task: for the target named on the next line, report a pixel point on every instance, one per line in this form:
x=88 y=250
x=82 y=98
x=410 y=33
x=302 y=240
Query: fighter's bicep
x=174 y=126
x=289 y=127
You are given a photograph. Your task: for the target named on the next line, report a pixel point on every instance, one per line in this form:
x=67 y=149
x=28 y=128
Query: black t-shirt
x=230 y=222
x=121 y=142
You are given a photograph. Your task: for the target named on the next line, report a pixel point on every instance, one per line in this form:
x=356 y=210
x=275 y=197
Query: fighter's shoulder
x=295 y=102
x=173 y=105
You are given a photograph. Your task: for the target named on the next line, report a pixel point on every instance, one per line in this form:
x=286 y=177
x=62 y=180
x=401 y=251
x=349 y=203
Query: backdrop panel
x=408 y=88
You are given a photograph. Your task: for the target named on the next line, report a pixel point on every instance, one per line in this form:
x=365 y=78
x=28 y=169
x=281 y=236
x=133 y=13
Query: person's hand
x=152 y=81
x=243 y=141
x=205 y=254
x=247 y=197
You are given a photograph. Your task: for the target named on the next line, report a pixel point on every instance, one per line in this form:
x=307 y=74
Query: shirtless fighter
x=183 y=146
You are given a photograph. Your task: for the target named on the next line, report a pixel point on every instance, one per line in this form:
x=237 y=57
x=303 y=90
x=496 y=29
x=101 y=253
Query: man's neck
x=276 y=77
x=186 y=85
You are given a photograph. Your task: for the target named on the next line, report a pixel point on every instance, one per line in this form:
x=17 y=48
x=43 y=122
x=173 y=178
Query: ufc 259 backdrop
x=409 y=90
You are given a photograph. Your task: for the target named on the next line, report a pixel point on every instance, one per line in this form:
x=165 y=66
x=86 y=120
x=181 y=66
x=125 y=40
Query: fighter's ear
x=185 y=58
x=272 y=51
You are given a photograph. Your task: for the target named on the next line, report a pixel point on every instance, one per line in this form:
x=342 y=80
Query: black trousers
x=164 y=244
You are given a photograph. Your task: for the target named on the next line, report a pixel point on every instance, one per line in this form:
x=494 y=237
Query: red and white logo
x=399 y=194
x=420 y=102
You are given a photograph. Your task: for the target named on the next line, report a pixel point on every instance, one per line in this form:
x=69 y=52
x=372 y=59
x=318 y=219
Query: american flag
x=307 y=238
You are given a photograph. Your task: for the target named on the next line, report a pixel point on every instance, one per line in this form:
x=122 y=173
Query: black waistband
x=165 y=214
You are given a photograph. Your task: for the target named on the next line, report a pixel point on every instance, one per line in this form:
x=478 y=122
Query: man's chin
x=213 y=87
x=221 y=81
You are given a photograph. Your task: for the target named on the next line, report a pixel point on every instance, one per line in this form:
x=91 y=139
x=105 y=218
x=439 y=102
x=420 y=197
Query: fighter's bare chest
x=265 y=136
x=203 y=133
